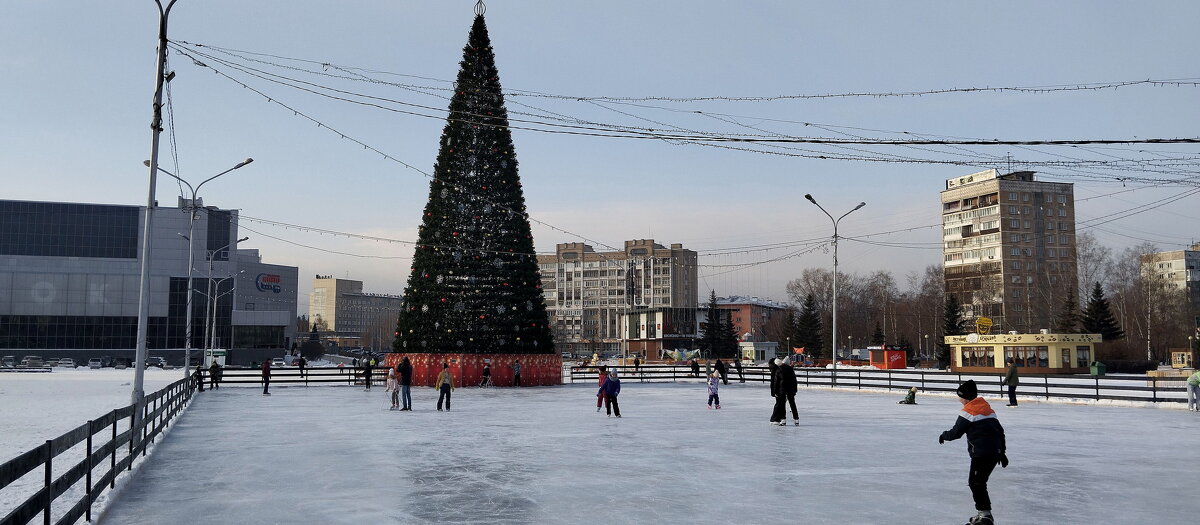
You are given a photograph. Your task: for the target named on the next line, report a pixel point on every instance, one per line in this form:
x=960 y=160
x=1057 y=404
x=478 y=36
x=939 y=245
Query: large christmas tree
x=474 y=286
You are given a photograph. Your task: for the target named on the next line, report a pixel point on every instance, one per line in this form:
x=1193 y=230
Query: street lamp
x=209 y=295
x=833 y=378
x=187 y=359
x=212 y=326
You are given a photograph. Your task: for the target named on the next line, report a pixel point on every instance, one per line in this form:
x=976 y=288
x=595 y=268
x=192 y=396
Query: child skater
x=714 y=380
x=910 y=398
x=985 y=445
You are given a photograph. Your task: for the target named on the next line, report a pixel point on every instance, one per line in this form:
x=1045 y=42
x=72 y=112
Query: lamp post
x=833 y=378
x=213 y=325
x=925 y=347
x=209 y=327
x=192 y=209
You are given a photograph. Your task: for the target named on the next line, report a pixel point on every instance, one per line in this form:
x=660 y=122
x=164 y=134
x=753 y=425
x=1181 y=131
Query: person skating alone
x=367 y=366
x=1193 y=389
x=517 y=373
x=393 y=386
x=266 y=377
x=487 y=375
x=214 y=375
x=695 y=368
x=985 y=446
x=723 y=371
x=786 y=393
x=714 y=381
x=1011 y=380
x=910 y=398
x=737 y=365
x=406 y=372
x=300 y=362
x=444 y=385
x=601 y=377
x=611 y=389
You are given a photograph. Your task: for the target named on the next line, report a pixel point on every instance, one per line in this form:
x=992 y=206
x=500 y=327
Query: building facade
x=352 y=317
x=641 y=299
x=1009 y=247
x=750 y=314
x=1179 y=268
x=69 y=281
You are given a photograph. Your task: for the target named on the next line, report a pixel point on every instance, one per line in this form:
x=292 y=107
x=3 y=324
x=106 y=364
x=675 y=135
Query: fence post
x=1153 y=388
x=112 y=461
x=142 y=445
x=49 y=494
x=1046 y=381
x=90 y=464
x=1097 y=379
x=132 y=437
x=923 y=381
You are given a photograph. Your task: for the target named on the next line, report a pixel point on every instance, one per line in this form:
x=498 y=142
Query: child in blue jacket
x=713 y=381
x=610 y=389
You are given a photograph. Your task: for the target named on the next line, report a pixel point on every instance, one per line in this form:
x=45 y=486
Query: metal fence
x=1113 y=387
x=115 y=448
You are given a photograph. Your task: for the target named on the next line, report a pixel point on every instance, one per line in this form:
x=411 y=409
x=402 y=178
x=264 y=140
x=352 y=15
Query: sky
x=77 y=80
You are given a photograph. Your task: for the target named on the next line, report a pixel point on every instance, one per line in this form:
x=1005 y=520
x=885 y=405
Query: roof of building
x=743 y=299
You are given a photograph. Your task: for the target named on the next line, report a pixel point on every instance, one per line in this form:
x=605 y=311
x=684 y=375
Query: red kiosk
x=887 y=357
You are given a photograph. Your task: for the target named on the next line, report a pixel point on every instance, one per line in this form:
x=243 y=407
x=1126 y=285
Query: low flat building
x=1034 y=353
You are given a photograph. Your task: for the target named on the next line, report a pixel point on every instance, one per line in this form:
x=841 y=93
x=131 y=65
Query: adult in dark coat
x=786 y=391
x=367 y=372
x=695 y=368
x=773 y=369
x=723 y=370
x=198 y=379
x=737 y=365
x=214 y=375
x=1011 y=380
x=266 y=377
x=406 y=372
x=300 y=362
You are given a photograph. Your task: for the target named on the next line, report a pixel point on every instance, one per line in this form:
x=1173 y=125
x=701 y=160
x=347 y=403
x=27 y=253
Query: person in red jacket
x=985 y=445
x=601 y=376
x=266 y=376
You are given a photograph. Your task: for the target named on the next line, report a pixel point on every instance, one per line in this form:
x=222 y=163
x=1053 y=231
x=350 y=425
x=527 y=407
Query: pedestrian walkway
x=331 y=454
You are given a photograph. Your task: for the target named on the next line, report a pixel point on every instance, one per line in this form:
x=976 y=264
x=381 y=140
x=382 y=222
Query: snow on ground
x=543 y=455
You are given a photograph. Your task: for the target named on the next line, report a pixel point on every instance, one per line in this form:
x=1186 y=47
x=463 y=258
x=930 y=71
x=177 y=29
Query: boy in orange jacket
x=985 y=445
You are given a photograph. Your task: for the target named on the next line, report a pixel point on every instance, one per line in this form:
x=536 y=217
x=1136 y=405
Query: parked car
x=95 y=362
x=160 y=362
x=8 y=361
x=32 y=361
x=121 y=363
x=106 y=361
x=278 y=362
x=66 y=362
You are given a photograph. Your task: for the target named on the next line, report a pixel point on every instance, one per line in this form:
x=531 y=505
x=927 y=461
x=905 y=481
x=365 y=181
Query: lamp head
x=146 y=163
x=242 y=239
x=806 y=195
x=861 y=204
x=243 y=163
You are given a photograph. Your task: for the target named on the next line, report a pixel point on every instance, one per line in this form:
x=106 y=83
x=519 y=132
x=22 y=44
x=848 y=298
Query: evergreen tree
x=1098 y=318
x=718 y=336
x=952 y=324
x=727 y=347
x=878 y=338
x=808 y=328
x=474 y=285
x=1067 y=321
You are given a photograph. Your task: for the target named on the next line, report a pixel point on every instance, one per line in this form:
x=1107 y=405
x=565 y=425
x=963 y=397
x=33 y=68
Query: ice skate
x=710 y=407
x=797 y=422
x=981 y=519
x=718 y=407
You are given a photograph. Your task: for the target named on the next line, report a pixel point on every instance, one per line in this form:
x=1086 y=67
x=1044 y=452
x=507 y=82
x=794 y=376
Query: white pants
x=1193 y=394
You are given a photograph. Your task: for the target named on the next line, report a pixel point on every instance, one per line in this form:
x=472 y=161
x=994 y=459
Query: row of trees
x=1138 y=311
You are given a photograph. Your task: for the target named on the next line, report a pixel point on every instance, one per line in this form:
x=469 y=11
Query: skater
x=1193 y=388
x=637 y=364
x=367 y=372
x=601 y=377
x=487 y=375
x=300 y=362
x=737 y=365
x=985 y=446
x=444 y=385
x=198 y=379
x=214 y=375
x=517 y=373
x=1011 y=380
x=786 y=392
x=713 y=382
x=777 y=409
x=266 y=377
x=611 y=388
x=910 y=398
x=695 y=368
x=393 y=386
x=723 y=370
x=406 y=371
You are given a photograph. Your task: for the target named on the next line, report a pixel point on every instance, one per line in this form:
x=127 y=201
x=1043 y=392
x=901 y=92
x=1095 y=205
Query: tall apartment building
x=1009 y=247
x=70 y=272
x=352 y=317
x=641 y=299
x=1180 y=268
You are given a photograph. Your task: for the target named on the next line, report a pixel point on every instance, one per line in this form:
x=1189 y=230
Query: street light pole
x=833 y=351
x=192 y=209
x=209 y=328
x=160 y=78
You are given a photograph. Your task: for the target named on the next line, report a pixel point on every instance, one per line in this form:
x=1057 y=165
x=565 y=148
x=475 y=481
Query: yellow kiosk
x=1042 y=353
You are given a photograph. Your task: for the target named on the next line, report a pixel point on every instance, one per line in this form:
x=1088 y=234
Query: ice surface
x=543 y=455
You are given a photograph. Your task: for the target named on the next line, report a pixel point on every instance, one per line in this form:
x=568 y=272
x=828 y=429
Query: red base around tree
x=467 y=369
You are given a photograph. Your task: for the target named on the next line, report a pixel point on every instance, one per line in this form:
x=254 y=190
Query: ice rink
x=543 y=455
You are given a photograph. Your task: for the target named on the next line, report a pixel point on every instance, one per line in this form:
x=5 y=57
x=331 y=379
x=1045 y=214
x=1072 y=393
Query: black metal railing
x=1117 y=388
x=119 y=447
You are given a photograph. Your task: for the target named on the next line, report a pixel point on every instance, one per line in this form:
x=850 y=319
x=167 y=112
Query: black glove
x=941 y=440
x=1003 y=461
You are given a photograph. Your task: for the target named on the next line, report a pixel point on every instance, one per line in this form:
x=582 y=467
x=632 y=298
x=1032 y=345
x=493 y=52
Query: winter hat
x=612 y=373
x=787 y=361
x=968 y=390
x=778 y=361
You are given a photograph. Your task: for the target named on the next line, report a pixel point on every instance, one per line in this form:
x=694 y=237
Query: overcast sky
x=76 y=83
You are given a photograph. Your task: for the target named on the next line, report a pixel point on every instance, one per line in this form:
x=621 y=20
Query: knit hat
x=787 y=361
x=968 y=390
x=778 y=361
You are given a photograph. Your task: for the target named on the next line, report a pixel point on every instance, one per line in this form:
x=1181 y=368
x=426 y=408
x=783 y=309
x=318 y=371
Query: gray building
x=69 y=282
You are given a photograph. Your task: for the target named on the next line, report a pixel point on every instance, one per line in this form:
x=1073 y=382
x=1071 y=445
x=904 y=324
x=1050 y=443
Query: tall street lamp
x=192 y=211
x=834 y=339
x=212 y=326
x=209 y=295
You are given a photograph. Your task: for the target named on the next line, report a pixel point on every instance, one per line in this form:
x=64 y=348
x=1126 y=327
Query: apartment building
x=1009 y=247
x=641 y=299
x=1180 y=268
x=353 y=318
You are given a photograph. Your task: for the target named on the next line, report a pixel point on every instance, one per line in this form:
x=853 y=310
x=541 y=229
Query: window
x=1012 y=210
x=1014 y=237
x=1015 y=252
x=977 y=356
x=1062 y=199
x=1014 y=223
x=1051 y=252
x=1062 y=226
x=1016 y=279
x=1025 y=197
x=1016 y=265
x=1028 y=225
x=1026 y=211
x=1082 y=357
x=1012 y=196
x=1016 y=294
x=1062 y=212
x=1026 y=252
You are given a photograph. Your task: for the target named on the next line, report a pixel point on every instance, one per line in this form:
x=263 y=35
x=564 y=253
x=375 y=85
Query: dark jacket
x=720 y=366
x=985 y=435
x=612 y=386
x=405 y=373
x=266 y=370
x=367 y=368
x=774 y=369
x=1011 y=377
x=214 y=371
x=787 y=380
